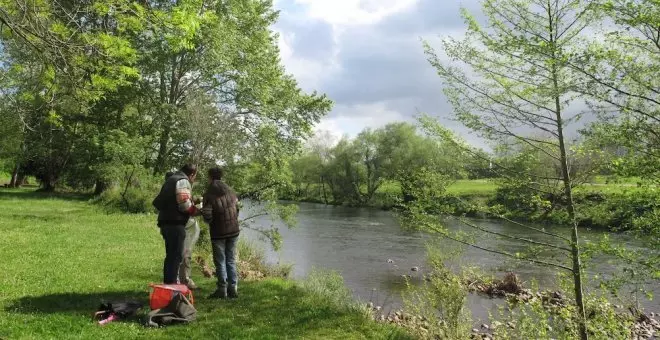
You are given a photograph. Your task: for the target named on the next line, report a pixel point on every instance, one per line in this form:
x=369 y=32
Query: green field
x=486 y=187
x=61 y=256
x=476 y=187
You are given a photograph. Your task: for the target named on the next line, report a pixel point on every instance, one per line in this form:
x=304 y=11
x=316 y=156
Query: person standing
x=220 y=210
x=185 y=269
x=175 y=207
x=192 y=235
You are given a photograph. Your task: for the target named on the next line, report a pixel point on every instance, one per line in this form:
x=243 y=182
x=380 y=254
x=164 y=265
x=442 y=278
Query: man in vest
x=192 y=235
x=175 y=207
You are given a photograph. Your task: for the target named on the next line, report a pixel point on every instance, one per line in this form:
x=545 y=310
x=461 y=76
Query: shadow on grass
x=72 y=303
x=26 y=194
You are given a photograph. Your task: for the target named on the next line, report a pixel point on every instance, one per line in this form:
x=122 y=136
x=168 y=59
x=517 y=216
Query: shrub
x=439 y=302
x=328 y=287
x=534 y=320
x=133 y=193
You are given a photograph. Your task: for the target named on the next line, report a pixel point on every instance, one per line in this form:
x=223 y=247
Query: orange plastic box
x=162 y=294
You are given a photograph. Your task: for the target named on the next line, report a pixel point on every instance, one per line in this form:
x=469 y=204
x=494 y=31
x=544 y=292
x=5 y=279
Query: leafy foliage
x=99 y=88
x=355 y=171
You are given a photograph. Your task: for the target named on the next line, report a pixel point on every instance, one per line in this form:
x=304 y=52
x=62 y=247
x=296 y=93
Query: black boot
x=232 y=292
x=220 y=293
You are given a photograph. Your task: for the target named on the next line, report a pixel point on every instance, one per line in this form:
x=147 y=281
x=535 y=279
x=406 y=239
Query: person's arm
x=184 y=197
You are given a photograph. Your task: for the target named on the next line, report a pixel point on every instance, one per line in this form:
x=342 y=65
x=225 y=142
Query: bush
x=5 y=177
x=328 y=287
x=534 y=320
x=133 y=193
x=441 y=300
x=637 y=210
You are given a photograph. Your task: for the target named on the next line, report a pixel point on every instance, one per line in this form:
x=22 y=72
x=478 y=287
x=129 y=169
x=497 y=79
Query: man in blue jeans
x=220 y=211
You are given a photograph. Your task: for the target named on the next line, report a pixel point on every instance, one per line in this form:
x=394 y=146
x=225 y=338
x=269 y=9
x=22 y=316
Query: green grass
x=61 y=256
x=484 y=187
x=476 y=187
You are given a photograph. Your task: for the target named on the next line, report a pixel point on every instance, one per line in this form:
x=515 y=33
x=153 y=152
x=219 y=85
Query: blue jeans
x=224 y=258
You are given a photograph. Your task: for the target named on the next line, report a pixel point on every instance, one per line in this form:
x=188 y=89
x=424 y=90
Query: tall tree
x=226 y=50
x=74 y=53
x=519 y=86
x=148 y=73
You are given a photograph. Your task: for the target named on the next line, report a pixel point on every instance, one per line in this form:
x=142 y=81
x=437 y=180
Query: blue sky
x=368 y=57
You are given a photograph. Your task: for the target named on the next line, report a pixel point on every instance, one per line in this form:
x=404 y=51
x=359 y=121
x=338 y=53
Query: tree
x=355 y=169
x=211 y=135
x=406 y=152
x=619 y=74
x=64 y=57
x=226 y=50
x=520 y=86
x=183 y=80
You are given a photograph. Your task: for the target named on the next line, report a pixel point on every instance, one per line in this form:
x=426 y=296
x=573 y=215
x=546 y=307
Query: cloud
x=368 y=57
x=353 y=12
x=352 y=119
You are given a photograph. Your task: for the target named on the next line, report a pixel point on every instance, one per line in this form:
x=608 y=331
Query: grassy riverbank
x=604 y=203
x=61 y=256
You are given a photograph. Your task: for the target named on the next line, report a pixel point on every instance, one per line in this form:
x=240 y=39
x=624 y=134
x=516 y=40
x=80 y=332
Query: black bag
x=117 y=309
x=179 y=310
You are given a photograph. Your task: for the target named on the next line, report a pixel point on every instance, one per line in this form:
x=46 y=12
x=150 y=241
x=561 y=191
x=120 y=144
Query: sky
x=367 y=56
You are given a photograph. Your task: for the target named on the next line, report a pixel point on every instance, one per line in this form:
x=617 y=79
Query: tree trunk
x=47 y=184
x=325 y=197
x=566 y=176
x=21 y=179
x=575 y=246
x=100 y=187
x=161 y=160
x=14 y=183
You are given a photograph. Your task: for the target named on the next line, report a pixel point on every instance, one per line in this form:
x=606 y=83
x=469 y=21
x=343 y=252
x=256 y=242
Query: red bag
x=162 y=294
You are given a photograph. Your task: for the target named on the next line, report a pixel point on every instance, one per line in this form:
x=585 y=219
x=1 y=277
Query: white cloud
x=351 y=120
x=366 y=55
x=354 y=12
x=307 y=72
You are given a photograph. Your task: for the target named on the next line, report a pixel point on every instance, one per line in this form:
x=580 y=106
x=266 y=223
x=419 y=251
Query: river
x=358 y=242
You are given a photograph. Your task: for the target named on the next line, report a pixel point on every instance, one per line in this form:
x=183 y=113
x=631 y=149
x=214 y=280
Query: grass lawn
x=462 y=187
x=476 y=187
x=61 y=256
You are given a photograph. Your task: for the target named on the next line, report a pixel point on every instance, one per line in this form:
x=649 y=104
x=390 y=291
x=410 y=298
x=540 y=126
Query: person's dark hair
x=189 y=169
x=215 y=173
x=169 y=174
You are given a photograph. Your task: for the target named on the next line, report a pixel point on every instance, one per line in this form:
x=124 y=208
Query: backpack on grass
x=179 y=311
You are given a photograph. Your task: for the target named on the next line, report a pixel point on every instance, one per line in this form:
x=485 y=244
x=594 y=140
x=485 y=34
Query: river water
x=372 y=252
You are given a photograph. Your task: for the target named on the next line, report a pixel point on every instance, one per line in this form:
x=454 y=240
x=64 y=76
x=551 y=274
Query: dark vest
x=165 y=202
